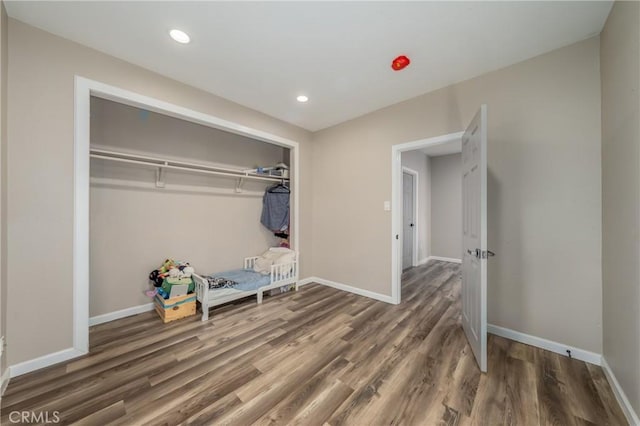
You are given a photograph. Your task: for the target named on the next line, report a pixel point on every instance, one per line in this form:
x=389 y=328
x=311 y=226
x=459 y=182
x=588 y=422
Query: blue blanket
x=247 y=279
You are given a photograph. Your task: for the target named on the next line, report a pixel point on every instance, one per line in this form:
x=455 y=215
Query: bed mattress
x=247 y=279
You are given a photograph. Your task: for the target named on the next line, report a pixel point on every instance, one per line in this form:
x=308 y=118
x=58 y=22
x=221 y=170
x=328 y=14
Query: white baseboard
x=4 y=381
x=67 y=354
x=44 y=361
x=627 y=409
x=305 y=281
x=350 y=289
x=111 y=316
x=423 y=261
x=444 y=259
x=549 y=345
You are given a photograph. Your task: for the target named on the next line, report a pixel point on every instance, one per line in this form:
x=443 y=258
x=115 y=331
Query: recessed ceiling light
x=180 y=36
x=302 y=98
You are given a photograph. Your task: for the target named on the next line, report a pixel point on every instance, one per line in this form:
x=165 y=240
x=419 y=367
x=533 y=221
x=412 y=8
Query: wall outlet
x=387 y=206
x=2 y=343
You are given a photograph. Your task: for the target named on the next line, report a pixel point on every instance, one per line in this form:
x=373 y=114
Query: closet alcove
x=163 y=187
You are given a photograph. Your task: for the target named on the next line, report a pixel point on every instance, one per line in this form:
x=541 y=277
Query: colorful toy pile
x=171 y=273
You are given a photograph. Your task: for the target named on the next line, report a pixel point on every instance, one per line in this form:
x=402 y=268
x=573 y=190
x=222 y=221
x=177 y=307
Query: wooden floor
x=314 y=357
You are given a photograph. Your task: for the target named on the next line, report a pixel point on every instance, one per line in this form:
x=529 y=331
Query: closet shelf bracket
x=239 y=183
x=160 y=176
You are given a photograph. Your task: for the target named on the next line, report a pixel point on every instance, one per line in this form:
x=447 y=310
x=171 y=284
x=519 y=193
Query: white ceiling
x=263 y=54
x=447 y=148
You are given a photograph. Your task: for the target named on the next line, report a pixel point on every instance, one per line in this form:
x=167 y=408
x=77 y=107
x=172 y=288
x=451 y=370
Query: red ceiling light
x=400 y=63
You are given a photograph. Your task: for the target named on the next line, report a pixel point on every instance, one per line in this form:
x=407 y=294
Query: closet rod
x=161 y=161
x=179 y=165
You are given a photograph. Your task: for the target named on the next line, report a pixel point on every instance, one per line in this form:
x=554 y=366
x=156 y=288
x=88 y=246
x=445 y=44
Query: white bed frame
x=281 y=275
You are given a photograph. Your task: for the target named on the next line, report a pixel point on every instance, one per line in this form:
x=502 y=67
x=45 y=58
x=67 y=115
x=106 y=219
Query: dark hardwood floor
x=319 y=356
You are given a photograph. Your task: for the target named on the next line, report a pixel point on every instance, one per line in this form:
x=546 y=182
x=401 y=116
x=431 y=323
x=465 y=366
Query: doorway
x=432 y=205
x=409 y=218
x=421 y=217
x=474 y=251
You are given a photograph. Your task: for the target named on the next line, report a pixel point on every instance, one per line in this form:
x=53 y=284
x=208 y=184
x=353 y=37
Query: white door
x=407 y=220
x=474 y=235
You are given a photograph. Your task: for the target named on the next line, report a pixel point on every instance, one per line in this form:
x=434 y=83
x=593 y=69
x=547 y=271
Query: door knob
x=481 y=254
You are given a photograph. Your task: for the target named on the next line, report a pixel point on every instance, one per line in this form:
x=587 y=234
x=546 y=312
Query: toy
x=171 y=268
x=168 y=274
x=155 y=277
x=188 y=271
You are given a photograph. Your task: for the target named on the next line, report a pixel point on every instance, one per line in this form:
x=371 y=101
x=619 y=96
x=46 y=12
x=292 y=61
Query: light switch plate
x=387 y=206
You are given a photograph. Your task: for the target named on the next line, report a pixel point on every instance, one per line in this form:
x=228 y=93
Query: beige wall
x=620 y=68
x=3 y=176
x=446 y=206
x=125 y=127
x=40 y=215
x=419 y=162
x=213 y=232
x=544 y=191
x=544 y=185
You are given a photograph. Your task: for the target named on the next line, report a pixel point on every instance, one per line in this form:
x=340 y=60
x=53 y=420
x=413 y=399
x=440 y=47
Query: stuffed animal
x=166 y=266
x=156 y=278
x=171 y=269
x=181 y=270
x=188 y=271
x=158 y=275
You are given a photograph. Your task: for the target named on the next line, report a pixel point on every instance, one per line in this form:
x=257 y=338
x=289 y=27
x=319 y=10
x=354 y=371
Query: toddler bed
x=247 y=281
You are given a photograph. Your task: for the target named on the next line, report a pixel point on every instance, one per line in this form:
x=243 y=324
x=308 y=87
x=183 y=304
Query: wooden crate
x=175 y=308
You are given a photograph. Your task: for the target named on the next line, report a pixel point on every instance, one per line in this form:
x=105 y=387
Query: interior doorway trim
x=84 y=89
x=396 y=203
x=416 y=221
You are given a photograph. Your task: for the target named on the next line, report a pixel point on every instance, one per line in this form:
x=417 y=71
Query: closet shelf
x=162 y=164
